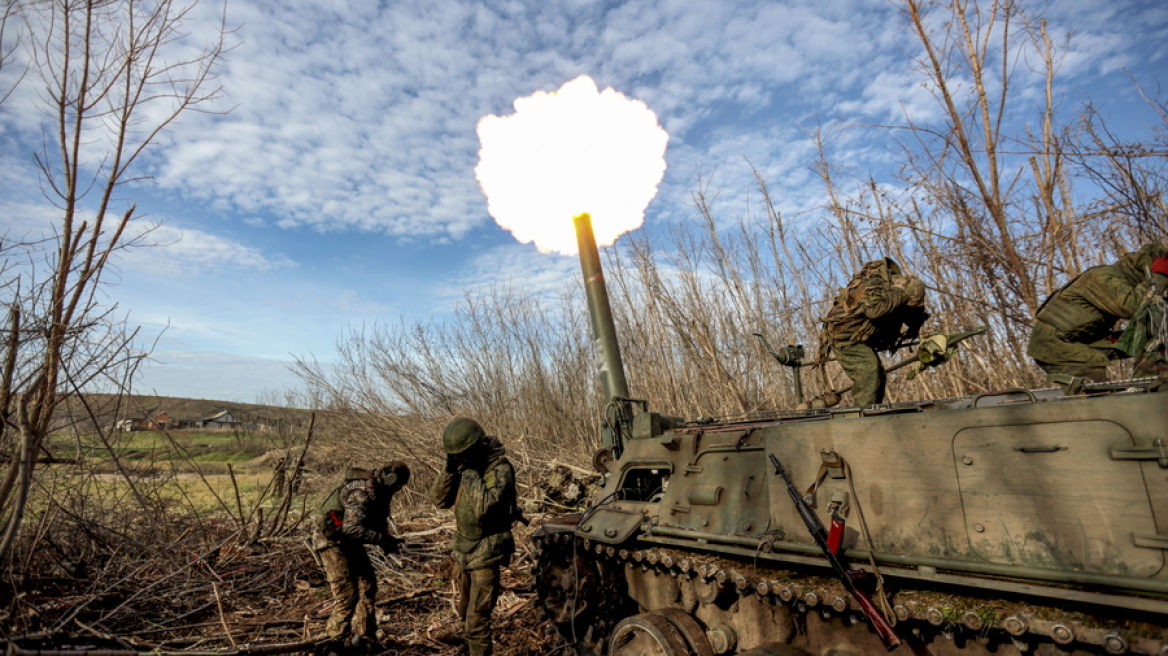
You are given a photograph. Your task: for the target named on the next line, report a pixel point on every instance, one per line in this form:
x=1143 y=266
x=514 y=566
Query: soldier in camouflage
x=479 y=483
x=1073 y=334
x=356 y=514
x=880 y=310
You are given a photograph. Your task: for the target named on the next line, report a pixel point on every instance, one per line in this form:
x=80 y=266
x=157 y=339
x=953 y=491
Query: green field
x=150 y=446
x=218 y=472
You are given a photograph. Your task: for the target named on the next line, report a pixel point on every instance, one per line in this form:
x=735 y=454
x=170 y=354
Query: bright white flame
x=568 y=152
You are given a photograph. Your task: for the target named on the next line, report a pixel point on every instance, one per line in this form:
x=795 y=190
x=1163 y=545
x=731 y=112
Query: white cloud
x=172 y=252
x=366 y=120
x=23 y=220
x=515 y=266
x=893 y=96
x=359 y=115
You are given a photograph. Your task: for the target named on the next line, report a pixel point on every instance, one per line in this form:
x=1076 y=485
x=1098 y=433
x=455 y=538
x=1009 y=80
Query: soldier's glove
x=453 y=463
x=934 y=350
x=390 y=544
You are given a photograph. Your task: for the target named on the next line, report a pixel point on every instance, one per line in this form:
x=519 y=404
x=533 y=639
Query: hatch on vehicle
x=1050 y=495
x=645 y=481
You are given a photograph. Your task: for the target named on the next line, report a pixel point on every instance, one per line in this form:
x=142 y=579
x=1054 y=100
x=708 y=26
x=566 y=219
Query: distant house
x=159 y=422
x=127 y=424
x=221 y=419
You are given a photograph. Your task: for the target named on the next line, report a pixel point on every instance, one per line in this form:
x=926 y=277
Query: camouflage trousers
x=863 y=366
x=1056 y=355
x=354 y=586
x=1090 y=361
x=478 y=591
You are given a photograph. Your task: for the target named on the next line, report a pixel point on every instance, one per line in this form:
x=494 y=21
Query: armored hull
x=1017 y=522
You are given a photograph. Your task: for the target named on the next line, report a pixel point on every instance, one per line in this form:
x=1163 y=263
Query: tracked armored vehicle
x=1012 y=522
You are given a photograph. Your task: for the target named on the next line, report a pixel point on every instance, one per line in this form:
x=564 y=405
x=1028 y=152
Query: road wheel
x=691 y=631
x=648 y=634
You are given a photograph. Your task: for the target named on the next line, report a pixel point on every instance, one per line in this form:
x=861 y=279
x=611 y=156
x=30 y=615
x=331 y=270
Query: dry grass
x=149 y=560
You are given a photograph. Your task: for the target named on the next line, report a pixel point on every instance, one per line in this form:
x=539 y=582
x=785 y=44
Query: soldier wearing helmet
x=357 y=513
x=879 y=310
x=479 y=483
x=1073 y=331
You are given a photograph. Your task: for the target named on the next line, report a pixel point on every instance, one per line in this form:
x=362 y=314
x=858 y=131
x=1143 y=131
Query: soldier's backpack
x=331 y=514
x=844 y=309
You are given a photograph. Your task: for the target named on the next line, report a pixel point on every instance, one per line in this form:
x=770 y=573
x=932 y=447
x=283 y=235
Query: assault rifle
x=879 y=622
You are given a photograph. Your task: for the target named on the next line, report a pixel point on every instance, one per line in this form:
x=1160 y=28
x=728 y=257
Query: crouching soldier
x=479 y=483
x=356 y=514
x=1073 y=333
x=881 y=309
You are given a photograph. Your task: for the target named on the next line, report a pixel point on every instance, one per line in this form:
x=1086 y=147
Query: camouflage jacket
x=357 y=512
x=484 y=501
x=872 y=311
x=1086 y=309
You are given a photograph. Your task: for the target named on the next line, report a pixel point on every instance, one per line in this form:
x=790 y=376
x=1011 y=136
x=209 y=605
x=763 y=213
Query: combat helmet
x=461 y=434
x=1133 y=265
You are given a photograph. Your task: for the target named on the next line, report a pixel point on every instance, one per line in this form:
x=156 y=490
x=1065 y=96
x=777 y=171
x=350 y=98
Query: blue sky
x=340 y=190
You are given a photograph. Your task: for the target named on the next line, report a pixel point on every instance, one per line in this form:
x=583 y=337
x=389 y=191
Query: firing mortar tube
x=612 y=369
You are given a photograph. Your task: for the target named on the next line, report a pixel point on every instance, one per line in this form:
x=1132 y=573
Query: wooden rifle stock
x=879 y=622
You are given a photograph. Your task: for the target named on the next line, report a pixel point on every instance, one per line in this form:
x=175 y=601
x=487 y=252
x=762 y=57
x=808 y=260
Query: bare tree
x=111 y=76
x=1133 y=177
x=968 y=62
x=7 y=47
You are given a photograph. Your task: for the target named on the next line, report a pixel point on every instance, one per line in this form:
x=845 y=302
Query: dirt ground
x=416 y=599
x=152 y=583
x=265 y=593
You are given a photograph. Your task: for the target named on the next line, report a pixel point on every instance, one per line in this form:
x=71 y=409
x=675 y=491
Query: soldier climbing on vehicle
x=1074 y=333
x=881 y=309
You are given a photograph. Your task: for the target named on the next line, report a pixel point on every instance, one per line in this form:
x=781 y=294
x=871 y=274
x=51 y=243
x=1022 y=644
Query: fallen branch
x=222 y=615
x=406 y=597
x=514 y=609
